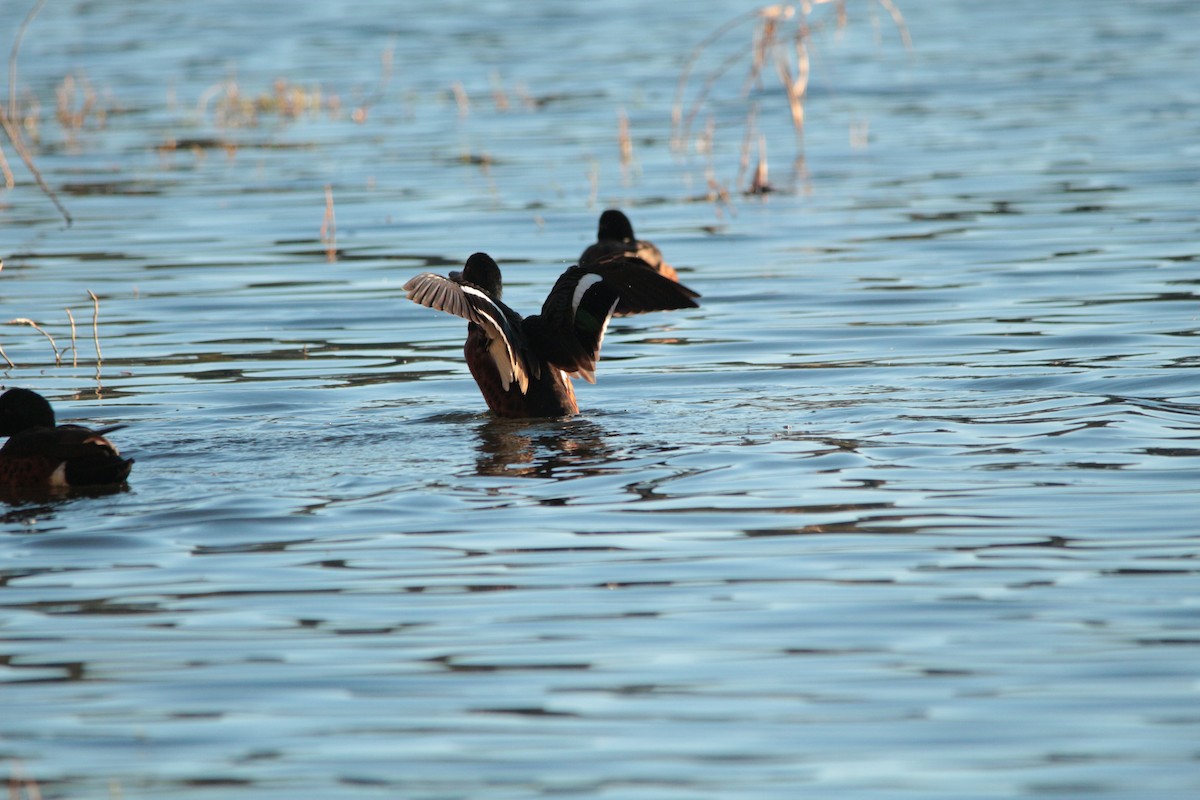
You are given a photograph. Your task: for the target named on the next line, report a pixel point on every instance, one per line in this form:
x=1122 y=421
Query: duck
x=524 y=365
x=41 y=454
x=614 y=236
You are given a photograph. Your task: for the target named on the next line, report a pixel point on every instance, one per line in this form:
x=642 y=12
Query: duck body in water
x=41 y=454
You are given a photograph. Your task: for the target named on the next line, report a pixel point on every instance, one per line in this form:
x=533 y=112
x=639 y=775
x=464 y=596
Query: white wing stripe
x=586 y=282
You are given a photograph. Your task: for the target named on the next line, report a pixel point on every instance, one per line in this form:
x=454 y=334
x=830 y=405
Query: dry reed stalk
x=12 y=56
x=760 y=184
x=764 y=42
x=42 y=331
x=19 y=784
x=678 y=126
x=8 y=118
x=70 y=114
x=329 y=226
x=74 y=349
x=6 y=171
x=796 y=88
x=718 y=194
x=898 y=21
x=461 y=99
x=14 y=136
x=704 y=141
x=625 y=143
x=499 y=95
x=623 y=139
x=750 y=127
x=206 y=97
x=30 y=117
x=3 y=354
x=767 y=39
x=96 y=331
x=713 y=77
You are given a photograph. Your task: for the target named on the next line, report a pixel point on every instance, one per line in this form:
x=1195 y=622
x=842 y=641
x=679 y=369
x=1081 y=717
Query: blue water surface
x=906 y=509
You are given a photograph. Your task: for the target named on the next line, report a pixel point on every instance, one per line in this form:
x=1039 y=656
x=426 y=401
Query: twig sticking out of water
x=751 y=130
x=12 y=57
x=74 y=349
x=96 y=332
x=625 y=142
x=42 y=331
x=20 y=785
x=461 y=98
x=678 y=124
x=796 y=88
x=14 y=136
x=760 y=184
x=3 y=354
x=898 y=21
x=6 y=171
x=499 y=95
x=329 y=227
x=7 y=120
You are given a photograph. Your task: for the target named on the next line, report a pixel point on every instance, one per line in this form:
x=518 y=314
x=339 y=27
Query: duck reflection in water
x=533 y=449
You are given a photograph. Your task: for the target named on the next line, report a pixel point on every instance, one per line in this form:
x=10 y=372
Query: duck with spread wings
x=523 y=365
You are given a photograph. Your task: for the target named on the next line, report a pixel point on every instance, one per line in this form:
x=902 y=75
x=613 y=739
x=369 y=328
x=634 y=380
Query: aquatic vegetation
x=781 y=36
x=9 y=119
x=329 y=227
x=59 y=353
x=230 y=107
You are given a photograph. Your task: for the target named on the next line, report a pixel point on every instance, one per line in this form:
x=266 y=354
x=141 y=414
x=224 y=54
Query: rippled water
x=906 y=509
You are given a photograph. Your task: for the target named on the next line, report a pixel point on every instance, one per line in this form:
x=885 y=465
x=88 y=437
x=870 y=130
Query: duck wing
x=500 y=324
x=576 y=313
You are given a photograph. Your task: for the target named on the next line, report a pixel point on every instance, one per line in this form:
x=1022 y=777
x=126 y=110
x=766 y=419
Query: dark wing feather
x=473 y=304
x=577 y=310
x=642 y=288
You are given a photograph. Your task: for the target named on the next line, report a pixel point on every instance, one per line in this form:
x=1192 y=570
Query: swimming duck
x=523 y=366
x=39 y=454
x=615 y=237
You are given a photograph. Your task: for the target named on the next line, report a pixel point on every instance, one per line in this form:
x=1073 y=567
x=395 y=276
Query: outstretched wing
x=473 y=304
x=578 y=308
x=638 y=293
